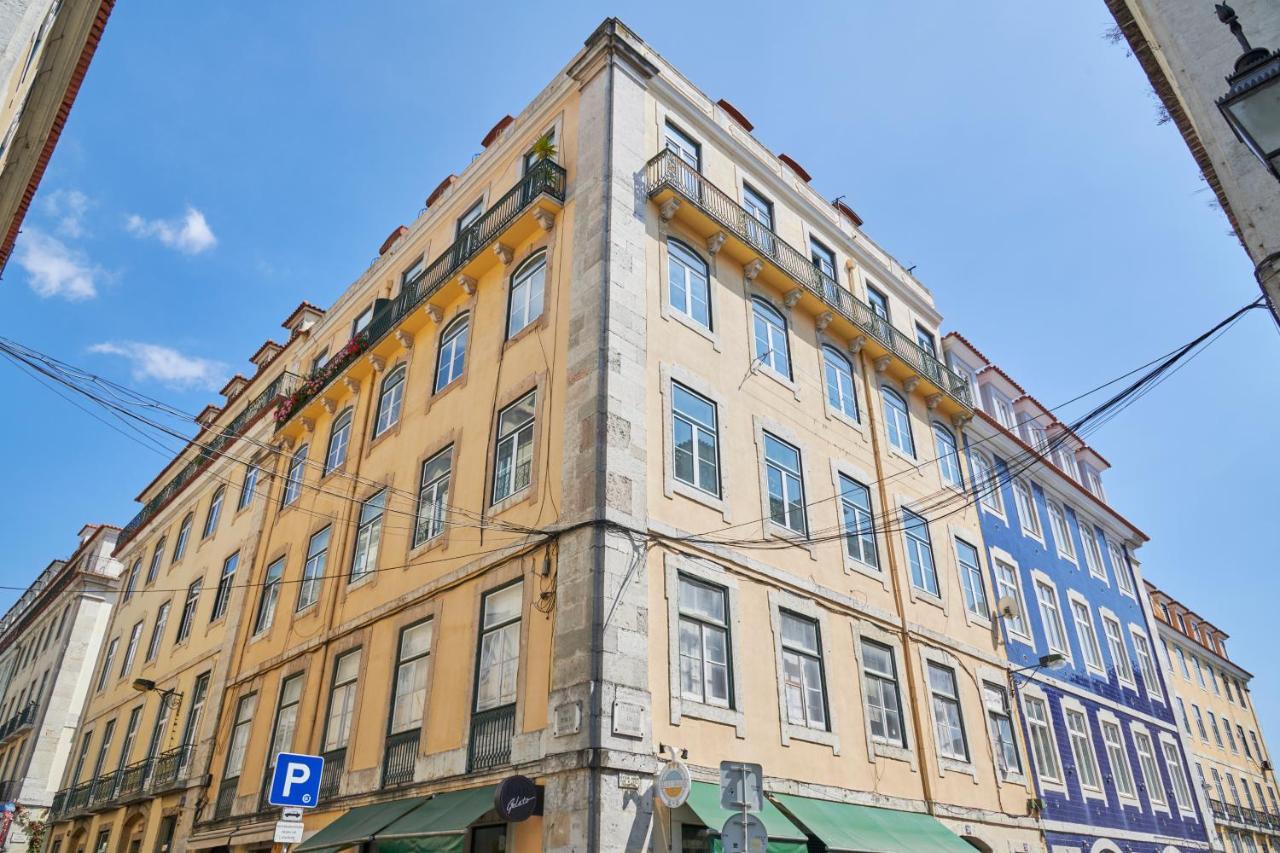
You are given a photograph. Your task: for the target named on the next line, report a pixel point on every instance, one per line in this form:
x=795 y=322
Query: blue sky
x=225 y=161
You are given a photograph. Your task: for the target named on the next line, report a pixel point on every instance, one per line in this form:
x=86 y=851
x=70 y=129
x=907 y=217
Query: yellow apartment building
x=1233 y=763
x=139 y=763
x=631 y=446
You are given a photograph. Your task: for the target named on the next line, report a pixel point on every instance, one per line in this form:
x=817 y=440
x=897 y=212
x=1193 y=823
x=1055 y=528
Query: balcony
x=684 y=194
x=226 y=797
x=1244 y=818
x=10 y=790
x=401 y=757
x=147 y=778
x=526 y=208
x=491 y=733
x=213 y=446
x=335 y=764
x=21 y=720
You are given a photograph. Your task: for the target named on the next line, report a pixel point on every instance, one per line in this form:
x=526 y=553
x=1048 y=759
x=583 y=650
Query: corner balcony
x=683 y=194
x=527 y=208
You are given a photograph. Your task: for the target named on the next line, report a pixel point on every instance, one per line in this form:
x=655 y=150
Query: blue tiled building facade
x=1102 y=737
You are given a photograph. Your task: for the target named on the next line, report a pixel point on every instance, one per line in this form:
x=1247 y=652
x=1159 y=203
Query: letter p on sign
x=296 y=780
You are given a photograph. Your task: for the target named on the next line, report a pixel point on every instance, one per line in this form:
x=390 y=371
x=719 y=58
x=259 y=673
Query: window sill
x=786 y=534
x=768 y=372
x=529 y=328
x=437 y=542
x=693 y=493
x=839 y=415
x=896 y=752
x=365 y=579
x=456 y=382
x=856 y=566
x=791 y=732
x=927 y=597
x=392 y=430
x=1034 y=537
x=339 y=470
x=678 y=316
x=692 y=708
x=309 y=610
x=525 y=495
x=956 y=765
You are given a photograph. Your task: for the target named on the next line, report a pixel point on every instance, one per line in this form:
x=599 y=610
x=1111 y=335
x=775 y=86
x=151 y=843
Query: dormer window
x=999 y=407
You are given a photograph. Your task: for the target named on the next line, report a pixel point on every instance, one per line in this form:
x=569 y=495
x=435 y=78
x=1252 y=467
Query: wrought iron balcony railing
x=19 y=722
x=401 y=757
x=10 y=790
x=668 y=171
x=491 y=733
x=335 y=764
x=156 y=775
x=543 y=178
x=1245 y=817
x=226 y=797
x=212 y=448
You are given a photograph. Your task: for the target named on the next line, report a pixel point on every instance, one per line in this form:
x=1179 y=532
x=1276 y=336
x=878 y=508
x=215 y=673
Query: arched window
x=452 y=359
x=896 y=422
x=215 y=512
x=184 y=533
x=772 y=348
x=527 y=285
x=339 y=439
x=839 y=373
x=687 y=283
x=390 y=401
x=944 y=445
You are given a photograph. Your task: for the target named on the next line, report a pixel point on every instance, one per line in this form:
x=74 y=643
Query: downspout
x=596 y=734
x=908 y=659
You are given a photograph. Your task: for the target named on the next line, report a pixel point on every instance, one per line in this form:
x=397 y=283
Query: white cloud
x=69 y=207
x=166 y=365
x=191 y=234
x=55 y=269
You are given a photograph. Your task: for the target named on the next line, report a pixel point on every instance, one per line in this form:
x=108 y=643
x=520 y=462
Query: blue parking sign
x=296 y=780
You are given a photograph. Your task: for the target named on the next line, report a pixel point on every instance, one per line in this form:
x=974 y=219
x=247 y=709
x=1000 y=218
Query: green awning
x=784 y=836
x=358 y=825
x=866 y=829
x=439 y=824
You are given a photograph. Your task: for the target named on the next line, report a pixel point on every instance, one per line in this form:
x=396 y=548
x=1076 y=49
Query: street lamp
x=1252 y=104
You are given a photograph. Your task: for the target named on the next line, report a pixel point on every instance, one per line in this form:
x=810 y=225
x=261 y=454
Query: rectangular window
x=1061 y=533
x=108 y=662
x=1146 y=665
x=131 y=650
x=215 y=512
x=1043 y=747
x=684 y=146
x=82 y=756
x=695 y=451
x=986 y=483
x=198 y=695
x=293 y=477
x=1115 y=645
x=926 y=340
x=1051 y=615
x=130 y=735
x=313 y=569
x=1231 y=738
x=1186 y=719
x=884 y=701
x=467 y=219
x=1000 y=721
x=499 y=665
x=364 y=558
x=1120 y=566
x=342 y=701
x=433 y=497
x=1204 y=733
x=1147 y=763
x=946 y=713
x=513 y=460
x=879 y=303
x=157 y=631
x=704 y=643
x=760 y=210
x=1082 y=749
x=1088 y=636
x=361 y=322
x=226 y=580
x=859 y=524
x=1182 y=659
x=785 y=483
x=1118 y=758
x=153 y=569
x=241 y=728
x=823 y=258
x=975 y=591
x=1178 y=775
x=189 y=610
x=409 y=691
x=802 y=675
x=286 y=720
x=247 y=487
x=1007 y=586
x=1028 y=517
x=270 y=597
x=1092 y=552
x=688 y=287
x=924 y=575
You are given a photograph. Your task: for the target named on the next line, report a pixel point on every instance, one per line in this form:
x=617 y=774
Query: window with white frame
x=226 y=582
x=1177 y=774
x=248 y=486
x=897 y=423
x=924 y=574
x=785 y=483
x=859 y=523
x=157 y=555
x=1051 y=616
x=215 y=512
x=688 y=283
x=695 y=450
x=1083 y=617
x=1092 y=553
x=1028 y=516
x=270 y=597
x=527 y=286
x=313 y=569
x=468 y=218
x=361 y=322
x=451 y=361
x=944 y=445
x=684 y=146
x=131 y=649
x=409 y=689
x=1061 y=532
x=1226 y=730
x=513 y=460
x=342 y=700
x=704 y=643
x=1115 y=645
x=157 y=631
x=1000 y=723
x=1147 y=763
x=975 y=591
x=1118 y=758
x=390 y=401
x=770 y=333
x=987 y=483
x=1008 y=586
x=433 y=497
x=184 y=534
x=926 y=341
x=293 y=477
x=1082 y=749
x=1120 y=567
x=1186 y=718
x=879 y=303
x=364 y=558
x=1146 y=664
x=1199 y=668
x=1182 y=659
x=823 y=258
x=1000 y=408
x=802 y=676
x=498 y=670
x=1204 y=733
x=189 y=610
x=339 y=439
x=838 y=372
x=884 y=701
x=947 y=720
x=241 y=728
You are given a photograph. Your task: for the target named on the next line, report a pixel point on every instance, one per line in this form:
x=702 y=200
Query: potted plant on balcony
x=544 y=148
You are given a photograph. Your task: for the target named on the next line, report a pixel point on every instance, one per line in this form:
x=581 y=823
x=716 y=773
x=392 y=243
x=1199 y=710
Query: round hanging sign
x=673 y=784
x=517 y=798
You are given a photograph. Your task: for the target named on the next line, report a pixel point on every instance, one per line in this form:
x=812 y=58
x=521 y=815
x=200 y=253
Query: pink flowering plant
x=321 y=377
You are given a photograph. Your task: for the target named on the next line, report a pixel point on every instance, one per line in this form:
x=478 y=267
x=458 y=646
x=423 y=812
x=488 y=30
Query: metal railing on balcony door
x=335 y=764
x=226 y=797
x=401 y=757
x=667 y=170
x=491 y=734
